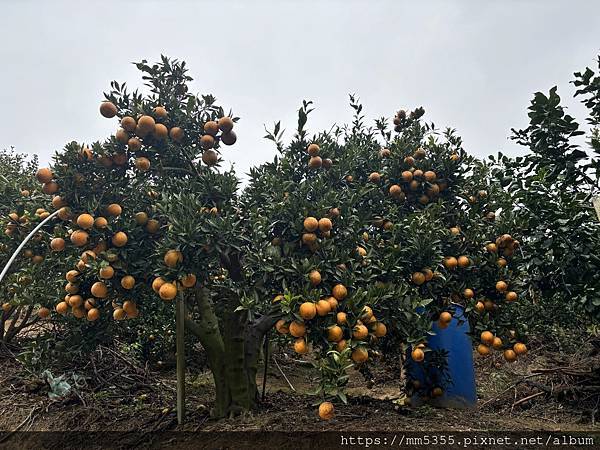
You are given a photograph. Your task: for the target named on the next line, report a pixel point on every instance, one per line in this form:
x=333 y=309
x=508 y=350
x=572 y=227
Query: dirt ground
x=118 y=395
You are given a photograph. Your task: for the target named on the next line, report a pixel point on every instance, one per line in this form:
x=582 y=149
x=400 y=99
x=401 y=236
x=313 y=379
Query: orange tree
x=364 y=232
x=550 y=190
x=22 y=207
x=347 y=235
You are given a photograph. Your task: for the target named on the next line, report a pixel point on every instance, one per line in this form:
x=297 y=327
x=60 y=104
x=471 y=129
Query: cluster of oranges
x=311 y=227
x=489 y=341
x=152 y=130
x=315 y=161
x=341 y=333
x=167 y=290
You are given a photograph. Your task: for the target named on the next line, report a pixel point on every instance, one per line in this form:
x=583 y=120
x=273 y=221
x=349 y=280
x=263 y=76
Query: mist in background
x=472 y=65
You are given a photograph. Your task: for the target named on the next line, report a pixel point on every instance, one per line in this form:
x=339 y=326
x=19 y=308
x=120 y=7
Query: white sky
x=473 y=65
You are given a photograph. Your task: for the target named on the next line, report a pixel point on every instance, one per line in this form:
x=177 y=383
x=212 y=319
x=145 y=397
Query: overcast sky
x=473 y=65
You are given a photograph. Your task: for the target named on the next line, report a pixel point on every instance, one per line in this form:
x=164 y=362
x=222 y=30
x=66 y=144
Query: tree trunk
x=233 y=352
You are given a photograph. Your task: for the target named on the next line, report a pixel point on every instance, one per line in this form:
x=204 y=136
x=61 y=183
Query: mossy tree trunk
x=233 y=348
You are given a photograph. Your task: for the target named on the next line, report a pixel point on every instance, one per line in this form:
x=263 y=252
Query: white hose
x=20 y=247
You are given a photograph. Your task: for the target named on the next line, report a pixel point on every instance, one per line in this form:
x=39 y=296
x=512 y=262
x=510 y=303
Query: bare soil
x=117 y=394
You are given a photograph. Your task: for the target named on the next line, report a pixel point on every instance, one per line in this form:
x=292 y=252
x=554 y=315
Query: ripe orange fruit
x=315 y=277
x=43 y=312
x=396 y=191
x=128 y=282
x=152 y=226
x=211 y=127
x=497 y=343
x=361 y=251
x=323 y=308
x=188 y=280
x=160 y=132
x=50 y=188
x=360 y=355
x=119 y=314
x=122 y=136
x=407 y=176
x=75 y=301
x=311 y=224
x=225 y=124
x=341 y=345
x=468 y=293
x=313 y=149
x=79 y=238
x=93 y=314
x=297 y=329
x=282 y=327
x=37 y=259
x=418 y=278
x=108 y=109
x=145 y=126
x=129 y=307
x=157 y=283
x=44 y=175
x=142 y=164
x=315 y=162
x=85 y=221
x=57 y=202
x=501 y=262
x=360 y=332
x=464 y=261
x=177 y=134
x=324 y=225
x=491 y=247
x=374 y=177
x=510 y=355
x=160 y=112
x=339 y=292
x=57 y=244
x=100 y=223
x=99 y=289
x=520 y=348
x=326 y=411
x=134 y=144
x=167 y=291
x=430 y=176
x=207 y=141
x=128 y=123
x=172 y=258
x=437 y=392
x=307 y=310
x=450 y=262
x=380 y=330
x=114 y=210
x=62 y=308
x=455 y=231
x=511 y=296
x=445 y=317
x=483 y=350
x=333 y=303
x=479 y=307
x=334 y=333
x=501 y=286
x=300 y=346
x=487 y=337
x=210 y=157
x=71 y=276
x=418 y=355
x=341 y=318
x=107 y=272
x=419 y=153
x=119 y=239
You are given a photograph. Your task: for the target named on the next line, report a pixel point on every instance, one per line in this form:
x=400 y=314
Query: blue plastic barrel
x=461 y=391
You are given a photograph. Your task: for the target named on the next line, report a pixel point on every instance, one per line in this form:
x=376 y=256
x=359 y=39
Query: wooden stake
x=180 y=348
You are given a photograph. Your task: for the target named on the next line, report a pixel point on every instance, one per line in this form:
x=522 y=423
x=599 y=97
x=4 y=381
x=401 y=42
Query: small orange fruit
x=334 y=333
x=119 y=239
x=339 y=292
x=501 y=286
x=323 y=308
x=99 y=289
x=297 y=329
x=510 y=355
x=127 y=282
x=326 y=409
x=167 y=291
x=311 y=224
x=307 y=310
x=300 y=346
x=360 y=355
x=487 y=337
